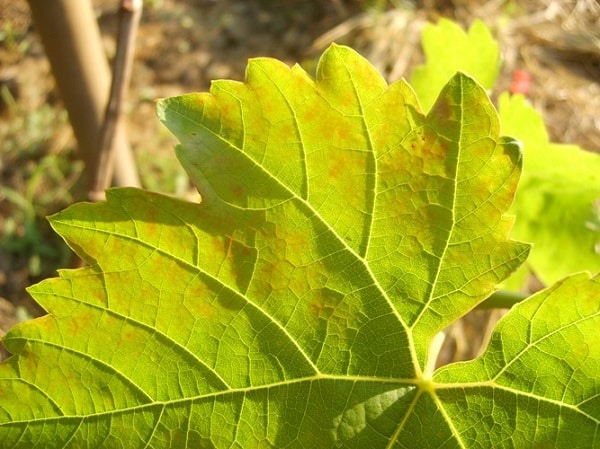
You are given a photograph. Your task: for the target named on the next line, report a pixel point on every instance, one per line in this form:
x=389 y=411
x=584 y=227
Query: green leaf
x=558 y=200
x=529 y=367
x=448 y=49
x=299 y=304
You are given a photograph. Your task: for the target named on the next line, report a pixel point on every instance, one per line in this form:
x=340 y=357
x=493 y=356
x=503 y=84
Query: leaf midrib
x=318 y=377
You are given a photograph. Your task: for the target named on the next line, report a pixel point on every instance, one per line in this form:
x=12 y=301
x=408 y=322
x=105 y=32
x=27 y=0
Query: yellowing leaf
x=295 y=306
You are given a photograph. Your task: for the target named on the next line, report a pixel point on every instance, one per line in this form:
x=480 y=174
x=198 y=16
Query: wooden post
x=71 y=38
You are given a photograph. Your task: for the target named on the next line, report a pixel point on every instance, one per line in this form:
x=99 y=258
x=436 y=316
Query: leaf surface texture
x=340 y=230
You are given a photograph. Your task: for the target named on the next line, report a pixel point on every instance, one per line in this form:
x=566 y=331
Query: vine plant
x=299 y=304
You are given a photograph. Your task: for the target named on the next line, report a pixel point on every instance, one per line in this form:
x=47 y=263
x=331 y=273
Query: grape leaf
x=448 y=49
x=558 y=199
x=298 y=304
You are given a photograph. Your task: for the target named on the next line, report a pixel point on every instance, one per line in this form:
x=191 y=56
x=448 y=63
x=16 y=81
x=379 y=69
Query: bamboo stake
x=130 y=12
x=72 y=42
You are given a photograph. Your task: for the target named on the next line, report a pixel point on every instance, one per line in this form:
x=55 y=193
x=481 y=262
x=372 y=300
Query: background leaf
x=448 y=49
x=295 y=306
x=558 y=199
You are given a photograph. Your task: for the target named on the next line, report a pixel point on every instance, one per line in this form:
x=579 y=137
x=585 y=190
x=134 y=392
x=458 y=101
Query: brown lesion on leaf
x=238 y=191
x=204 y=310
x=128 y=336
x=325 y=302
x=318 y=309
x=442 y=108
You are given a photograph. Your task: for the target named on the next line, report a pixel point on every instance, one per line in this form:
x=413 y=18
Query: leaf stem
x=502 y=299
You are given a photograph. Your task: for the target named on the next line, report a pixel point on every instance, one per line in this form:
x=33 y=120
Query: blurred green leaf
x=558 y=199
x=448 y=49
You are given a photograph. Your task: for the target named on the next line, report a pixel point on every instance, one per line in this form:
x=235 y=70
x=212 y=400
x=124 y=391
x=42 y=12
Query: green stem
x=502 y=299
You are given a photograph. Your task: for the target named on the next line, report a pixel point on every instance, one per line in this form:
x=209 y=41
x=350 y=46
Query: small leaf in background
x=298 y=305
x=449 y=49
x=557 y=200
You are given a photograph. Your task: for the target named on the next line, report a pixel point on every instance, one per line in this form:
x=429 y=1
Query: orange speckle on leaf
x=238 y=191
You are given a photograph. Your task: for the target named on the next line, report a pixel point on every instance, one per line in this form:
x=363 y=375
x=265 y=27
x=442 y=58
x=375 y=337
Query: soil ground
x=184 y=44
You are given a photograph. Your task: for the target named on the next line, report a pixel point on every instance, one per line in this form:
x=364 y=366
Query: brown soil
x=184 y=44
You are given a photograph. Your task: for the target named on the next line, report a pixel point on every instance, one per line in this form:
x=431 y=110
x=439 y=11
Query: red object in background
x=521 y=82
